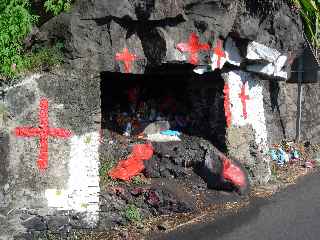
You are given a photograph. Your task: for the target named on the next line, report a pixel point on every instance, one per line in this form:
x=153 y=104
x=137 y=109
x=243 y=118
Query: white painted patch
x=214 y=60
x=267 y=69
x=276 y=61
x=258 y=51
x=82 y=192
x=255 y=108
x=157 y=137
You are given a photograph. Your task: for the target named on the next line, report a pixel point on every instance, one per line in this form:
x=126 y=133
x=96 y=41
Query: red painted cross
x=127 y=58
x=43 y=132
x=219 y=52
x=193 y=47
x=244 y=98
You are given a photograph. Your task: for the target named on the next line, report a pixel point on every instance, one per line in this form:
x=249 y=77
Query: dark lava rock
x=94 y=31
x=35 y=223
x=57 y=223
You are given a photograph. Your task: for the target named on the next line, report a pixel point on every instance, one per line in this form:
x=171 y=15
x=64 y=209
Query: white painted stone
x=201 y=70
x=272 y=69
x=82 y=191
x=279 y=64
x=232 y=52
x=255 y=108
x=267 y=69
x=157 y=137
x=258 y=51
x=214 y=62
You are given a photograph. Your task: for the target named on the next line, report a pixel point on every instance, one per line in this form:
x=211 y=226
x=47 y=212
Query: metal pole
x=300 y=88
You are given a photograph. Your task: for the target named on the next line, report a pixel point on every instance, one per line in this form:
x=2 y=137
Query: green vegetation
x=310 y=13
x=132 y=214
x=138 y=180
x=105 y=167
x=16 y=21
x=57 y=6
x=43 y=57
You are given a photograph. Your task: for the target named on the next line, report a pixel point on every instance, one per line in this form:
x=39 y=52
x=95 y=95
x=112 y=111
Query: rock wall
x=95 y=31
x=49 y=153
x=280 y=101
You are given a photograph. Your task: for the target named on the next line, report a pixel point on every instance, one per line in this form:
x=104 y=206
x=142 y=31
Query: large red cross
x=43 y=132
x=244 y=98
x=219 y=52
x=127 y=58
x=193 y=47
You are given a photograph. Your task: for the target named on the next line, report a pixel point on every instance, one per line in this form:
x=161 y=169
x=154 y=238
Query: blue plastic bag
x=170 y=133
x=273 y=154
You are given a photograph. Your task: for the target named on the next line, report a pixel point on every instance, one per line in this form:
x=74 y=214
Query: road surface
x=293 y=214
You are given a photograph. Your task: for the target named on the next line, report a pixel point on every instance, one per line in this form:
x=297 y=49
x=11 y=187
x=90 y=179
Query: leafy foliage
x=45 y=57
x=132 y=214
x=310 y=13
x=57 y=6
x=15 y=23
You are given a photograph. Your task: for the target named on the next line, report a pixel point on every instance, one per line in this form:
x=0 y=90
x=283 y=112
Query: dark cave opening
x=192 y=104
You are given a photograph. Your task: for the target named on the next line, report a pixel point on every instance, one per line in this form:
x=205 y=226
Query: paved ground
x=293 y=214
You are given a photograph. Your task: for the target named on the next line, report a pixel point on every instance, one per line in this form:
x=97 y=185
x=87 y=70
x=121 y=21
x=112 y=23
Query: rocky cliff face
x=94 y=31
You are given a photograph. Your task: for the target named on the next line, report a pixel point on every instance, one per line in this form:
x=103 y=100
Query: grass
x=105 y=167
x=138 y=180
x=45 y=57
x=132 y=214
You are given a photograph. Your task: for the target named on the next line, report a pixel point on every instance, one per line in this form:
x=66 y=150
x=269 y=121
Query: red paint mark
x=234 y=173
x=127 y=58
x=219 y=52
x=244 y=98
x=193 y=47
x=43 y=132
x=227 y=109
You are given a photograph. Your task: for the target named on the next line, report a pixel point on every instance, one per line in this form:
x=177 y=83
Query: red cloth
x=233 y=173
x=133 y=165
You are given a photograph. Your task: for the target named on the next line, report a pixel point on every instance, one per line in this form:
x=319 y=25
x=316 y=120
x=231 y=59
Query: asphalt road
x=293 y=214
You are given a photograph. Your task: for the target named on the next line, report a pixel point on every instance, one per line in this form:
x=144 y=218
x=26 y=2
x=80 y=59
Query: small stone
x=35 y=223
x=156 y=127
x=137 y=191
x=6 y=188
x=164 y=226
x=55 y=223
x=124 y=235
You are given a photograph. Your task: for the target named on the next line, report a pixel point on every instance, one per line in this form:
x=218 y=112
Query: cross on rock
x=219 y=52
x=43 y=132
x=127 y=58
x=244 y=98
x=193 y=47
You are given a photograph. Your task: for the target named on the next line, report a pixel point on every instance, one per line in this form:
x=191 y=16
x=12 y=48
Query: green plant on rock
x=310 y=13
x=57 y=6
x=44 y=57
x=105 y=167
x=132 y=214
x=15 y=23
x=138 y=180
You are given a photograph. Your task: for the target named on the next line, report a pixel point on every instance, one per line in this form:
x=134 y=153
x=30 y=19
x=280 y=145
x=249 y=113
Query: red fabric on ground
x=133 y=165
x=233 y=173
